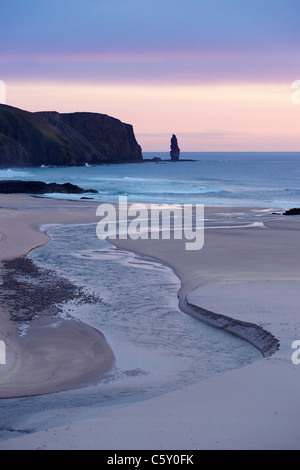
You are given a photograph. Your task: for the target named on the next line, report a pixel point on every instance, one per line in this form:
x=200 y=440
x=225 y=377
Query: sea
x=158 y=348
x=230 y=179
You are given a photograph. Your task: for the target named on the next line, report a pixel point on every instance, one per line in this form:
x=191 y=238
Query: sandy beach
x=250 y=274
x=54 y=355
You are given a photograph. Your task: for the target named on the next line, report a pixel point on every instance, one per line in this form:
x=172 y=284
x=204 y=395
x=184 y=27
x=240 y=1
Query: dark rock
x=39 y=187
x=175 y=150
x=30 y=291
x=294 y=211
x=49 y=138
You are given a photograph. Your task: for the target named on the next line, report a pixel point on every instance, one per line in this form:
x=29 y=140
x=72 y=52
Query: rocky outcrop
x=39 y=187
x=50 y=138
x=175 y=150
x=294 y=211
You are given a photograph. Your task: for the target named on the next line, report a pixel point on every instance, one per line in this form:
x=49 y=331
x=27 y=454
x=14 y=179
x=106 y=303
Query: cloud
x=197 y=41
x=216 y=133
x=153 y=67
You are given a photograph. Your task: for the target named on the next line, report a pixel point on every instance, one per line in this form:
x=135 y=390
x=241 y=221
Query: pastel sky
x=217 y=73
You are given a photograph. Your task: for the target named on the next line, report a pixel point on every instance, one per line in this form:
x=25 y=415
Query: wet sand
x=56 y=354
x=249 y=274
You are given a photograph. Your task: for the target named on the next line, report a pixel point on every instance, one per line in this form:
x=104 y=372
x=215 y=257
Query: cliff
x=49 y=138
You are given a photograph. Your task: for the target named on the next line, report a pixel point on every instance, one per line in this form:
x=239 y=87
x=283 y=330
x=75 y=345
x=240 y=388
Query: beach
x=249 y=274
x=54 y=355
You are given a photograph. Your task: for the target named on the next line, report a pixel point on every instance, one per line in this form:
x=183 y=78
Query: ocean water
x=157 y=347
x=243 y=179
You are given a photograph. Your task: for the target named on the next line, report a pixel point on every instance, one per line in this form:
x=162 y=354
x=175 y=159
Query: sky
x=217 y=73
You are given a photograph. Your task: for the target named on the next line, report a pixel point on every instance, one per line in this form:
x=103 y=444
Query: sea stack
x=175 y=150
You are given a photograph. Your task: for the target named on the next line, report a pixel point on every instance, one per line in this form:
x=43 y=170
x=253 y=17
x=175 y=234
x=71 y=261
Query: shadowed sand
x=55 y=354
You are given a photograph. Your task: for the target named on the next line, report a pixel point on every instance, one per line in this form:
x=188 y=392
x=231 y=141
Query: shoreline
x=245 y=273
x=266 y=340
x=34 y=362
x=266 y=343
